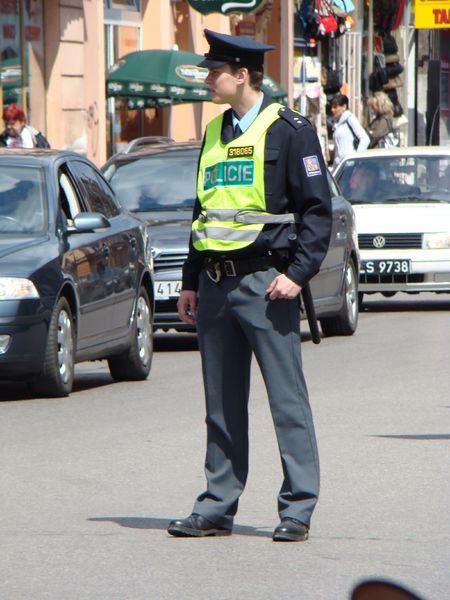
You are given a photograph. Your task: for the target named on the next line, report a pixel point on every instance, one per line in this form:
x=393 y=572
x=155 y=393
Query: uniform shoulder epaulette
x=294 y=118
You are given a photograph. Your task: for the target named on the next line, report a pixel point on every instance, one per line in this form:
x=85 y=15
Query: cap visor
x=209 y=63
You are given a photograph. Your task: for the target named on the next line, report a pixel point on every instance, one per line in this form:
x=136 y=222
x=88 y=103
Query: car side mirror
x=85 y=222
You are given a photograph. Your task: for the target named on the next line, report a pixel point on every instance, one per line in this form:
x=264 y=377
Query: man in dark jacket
x=261 y=228
x=17 y=134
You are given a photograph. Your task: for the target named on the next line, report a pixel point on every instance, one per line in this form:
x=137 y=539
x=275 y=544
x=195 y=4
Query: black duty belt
x=218 y=268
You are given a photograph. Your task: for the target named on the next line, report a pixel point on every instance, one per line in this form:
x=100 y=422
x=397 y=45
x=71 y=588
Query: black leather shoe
x=195 y=526
x=290 y=530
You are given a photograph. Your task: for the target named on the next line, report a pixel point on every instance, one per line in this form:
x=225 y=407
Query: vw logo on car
x=379 y=241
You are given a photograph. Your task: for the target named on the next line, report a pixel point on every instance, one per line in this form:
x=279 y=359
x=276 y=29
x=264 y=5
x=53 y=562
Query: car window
x=334 y=190
x=158 y=182
x=395 y=179
x=23 y=200
x=98 y=196
x=68 y=198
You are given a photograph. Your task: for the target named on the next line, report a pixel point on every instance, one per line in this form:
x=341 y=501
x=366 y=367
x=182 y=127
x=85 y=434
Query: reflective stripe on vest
x=231 y=183
x=248 y=216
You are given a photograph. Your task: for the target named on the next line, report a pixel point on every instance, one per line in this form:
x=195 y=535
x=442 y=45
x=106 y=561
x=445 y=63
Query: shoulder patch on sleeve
x=294 y=118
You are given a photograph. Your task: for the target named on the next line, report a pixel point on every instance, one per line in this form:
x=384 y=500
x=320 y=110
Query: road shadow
x=11 y=391
x=162 y=524
x=405 y=304
x=169 y=342
x=14 y=390
x=415 y=436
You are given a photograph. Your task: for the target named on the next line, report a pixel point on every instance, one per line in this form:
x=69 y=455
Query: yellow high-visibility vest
x=230 y=187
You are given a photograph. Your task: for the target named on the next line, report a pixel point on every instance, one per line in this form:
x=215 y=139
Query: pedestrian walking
x=260 y=230
x=17 y=134
x=349 y=135
x=381 y=127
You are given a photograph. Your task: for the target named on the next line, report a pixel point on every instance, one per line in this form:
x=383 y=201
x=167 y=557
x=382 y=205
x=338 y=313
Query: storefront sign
x=432 y=14
x=225 y=7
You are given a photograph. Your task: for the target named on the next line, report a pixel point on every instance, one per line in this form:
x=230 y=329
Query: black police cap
x=241 y=50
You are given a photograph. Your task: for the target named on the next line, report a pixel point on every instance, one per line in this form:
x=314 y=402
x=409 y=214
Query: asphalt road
x=88 y=484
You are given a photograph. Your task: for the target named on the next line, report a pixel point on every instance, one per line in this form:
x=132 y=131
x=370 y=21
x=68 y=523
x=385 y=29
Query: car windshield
x=157 y=182
x=369 y=180
x=22 y=200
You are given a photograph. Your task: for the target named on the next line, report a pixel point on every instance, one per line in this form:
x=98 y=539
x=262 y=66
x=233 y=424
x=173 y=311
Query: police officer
x=260 y=230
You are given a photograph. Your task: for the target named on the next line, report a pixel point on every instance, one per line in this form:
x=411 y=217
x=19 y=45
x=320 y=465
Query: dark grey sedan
x=76 y=280
x=156 y=179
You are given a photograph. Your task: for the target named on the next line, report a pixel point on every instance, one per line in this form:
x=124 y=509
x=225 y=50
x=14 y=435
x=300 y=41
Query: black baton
x=310 y=313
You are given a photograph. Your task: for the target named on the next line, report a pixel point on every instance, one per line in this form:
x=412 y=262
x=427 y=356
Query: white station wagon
x=401 y=199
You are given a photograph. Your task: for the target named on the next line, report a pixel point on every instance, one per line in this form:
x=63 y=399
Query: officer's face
x=223 y=84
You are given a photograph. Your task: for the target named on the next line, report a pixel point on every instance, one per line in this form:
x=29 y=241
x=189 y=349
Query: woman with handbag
x=349 y=135
x=381 y=127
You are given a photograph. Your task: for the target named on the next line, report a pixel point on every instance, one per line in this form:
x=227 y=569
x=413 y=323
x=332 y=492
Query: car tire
x=360 y=298
x=136 y=362
x=346 y=321
x=56 y=378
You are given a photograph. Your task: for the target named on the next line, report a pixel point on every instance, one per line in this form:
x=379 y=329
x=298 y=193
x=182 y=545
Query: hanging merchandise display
x=379 y=76
x=388 y=14
x=308 y=18
x=327 y=20
x=342 y=8
x=317 y=19
x=332 y=81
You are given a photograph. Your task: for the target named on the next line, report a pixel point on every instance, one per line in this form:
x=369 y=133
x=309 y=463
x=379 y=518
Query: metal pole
x=370 y=39
x=22 y=59
x=1 y=85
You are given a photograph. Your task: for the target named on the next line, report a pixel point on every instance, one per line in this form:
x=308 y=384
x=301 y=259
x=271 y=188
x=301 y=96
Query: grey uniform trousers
x=236 y=319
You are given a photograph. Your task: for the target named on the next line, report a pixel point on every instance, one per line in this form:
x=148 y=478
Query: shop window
x=22 y=58
x=122 y=4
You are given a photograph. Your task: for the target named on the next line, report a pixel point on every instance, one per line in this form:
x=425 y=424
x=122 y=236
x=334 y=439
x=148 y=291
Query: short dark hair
x=256 y=75
x=339 y=100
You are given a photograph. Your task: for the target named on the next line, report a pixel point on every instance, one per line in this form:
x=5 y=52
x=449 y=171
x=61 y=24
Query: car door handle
x=343 y=218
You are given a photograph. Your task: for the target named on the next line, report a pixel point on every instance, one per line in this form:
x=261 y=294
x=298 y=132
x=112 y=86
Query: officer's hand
x=187 y=304
x=283 y=288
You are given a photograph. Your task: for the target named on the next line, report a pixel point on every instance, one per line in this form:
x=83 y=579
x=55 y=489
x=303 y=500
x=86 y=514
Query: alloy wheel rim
x=144 y=331
x=65 y=346
x=351 y=295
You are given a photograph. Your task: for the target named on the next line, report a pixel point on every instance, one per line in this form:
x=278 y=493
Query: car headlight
x=147 y=248
x=436 y=240
x=17 y=288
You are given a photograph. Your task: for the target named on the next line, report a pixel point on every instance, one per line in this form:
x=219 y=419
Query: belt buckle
x=213 y=271
x=228 y=267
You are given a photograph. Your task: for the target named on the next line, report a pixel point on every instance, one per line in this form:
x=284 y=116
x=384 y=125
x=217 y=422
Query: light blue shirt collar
x=249 y=116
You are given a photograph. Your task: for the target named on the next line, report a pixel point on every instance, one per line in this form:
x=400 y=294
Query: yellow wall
x=74 y=65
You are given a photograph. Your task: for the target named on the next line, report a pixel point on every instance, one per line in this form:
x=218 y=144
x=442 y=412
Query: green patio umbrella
x=159 y=76
x=150 y=78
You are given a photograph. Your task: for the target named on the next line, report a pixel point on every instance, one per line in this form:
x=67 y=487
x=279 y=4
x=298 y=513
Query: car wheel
x=345 y=322
x=135 y=363
x=56 y=378
x=360 y=298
